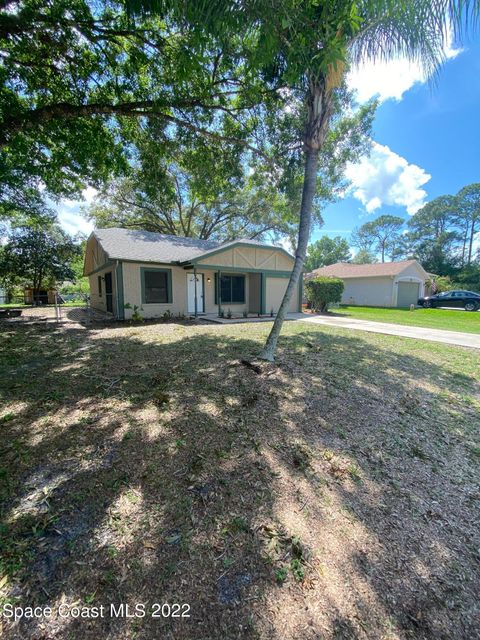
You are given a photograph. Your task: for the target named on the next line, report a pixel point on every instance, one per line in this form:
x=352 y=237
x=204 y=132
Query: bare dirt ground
x=334 y=494
x=66 y=314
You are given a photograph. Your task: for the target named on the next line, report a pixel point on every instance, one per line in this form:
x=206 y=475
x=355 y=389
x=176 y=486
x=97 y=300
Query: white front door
x=191 y=292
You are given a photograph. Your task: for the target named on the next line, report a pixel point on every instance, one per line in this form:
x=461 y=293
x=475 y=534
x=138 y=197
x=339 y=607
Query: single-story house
x=161 y=273
x=385 y=284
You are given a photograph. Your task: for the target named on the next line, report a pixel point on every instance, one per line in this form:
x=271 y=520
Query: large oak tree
x=77 y=77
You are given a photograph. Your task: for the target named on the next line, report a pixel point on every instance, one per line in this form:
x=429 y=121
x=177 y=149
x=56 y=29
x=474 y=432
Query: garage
x=381 y=284
x=408 y=293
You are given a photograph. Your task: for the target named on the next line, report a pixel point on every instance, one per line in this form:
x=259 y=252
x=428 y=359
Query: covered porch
x=234 y=293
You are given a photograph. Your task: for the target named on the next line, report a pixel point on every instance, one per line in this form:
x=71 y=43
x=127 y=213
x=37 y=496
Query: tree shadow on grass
x=317 y=499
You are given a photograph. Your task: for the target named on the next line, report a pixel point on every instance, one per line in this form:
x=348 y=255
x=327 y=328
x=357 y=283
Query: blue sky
x=426 y=142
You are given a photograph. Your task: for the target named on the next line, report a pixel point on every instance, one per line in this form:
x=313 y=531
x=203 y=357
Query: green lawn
x=435 y=318
x=333 y=494
x=13 y=305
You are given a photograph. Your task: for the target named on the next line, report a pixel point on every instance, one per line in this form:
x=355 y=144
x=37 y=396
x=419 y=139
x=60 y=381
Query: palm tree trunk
x=470 y=244
x=464 y=247
x=319 y=104
x=309 y=188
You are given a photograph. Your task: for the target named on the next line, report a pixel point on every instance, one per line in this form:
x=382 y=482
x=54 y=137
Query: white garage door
x=407 y=293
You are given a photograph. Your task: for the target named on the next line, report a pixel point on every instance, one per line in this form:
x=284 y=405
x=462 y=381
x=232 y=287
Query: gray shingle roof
x=145 y=246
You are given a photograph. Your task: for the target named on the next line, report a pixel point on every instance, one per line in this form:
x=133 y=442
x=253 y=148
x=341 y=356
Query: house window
x=232 y=289
x=100 y=286
x=156 y=286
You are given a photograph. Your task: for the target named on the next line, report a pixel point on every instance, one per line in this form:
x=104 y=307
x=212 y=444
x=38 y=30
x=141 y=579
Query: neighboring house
x=386 y=284
x=39 y=296
x=160 y=273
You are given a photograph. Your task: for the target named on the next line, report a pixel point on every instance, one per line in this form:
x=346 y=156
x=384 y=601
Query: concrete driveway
x=459 y=338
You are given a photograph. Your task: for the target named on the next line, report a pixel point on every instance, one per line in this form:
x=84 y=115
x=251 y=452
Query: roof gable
x=241 y=243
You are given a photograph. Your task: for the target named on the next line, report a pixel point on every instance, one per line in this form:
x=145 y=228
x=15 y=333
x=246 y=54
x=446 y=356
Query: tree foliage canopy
x=185 y=185
x=433 y=235
x=382 y=235
x=327 y=251
x=363 y=256
x=78 y=76
x=468 y=218
x=37 y=256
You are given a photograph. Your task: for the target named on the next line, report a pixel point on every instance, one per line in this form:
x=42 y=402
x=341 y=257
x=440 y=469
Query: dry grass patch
x=331 y=495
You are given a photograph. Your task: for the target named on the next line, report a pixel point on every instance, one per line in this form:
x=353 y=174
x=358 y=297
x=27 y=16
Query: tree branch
x=144 y=108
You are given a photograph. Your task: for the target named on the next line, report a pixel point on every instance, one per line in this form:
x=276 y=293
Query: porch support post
x=263 y=293
x=195 y=285
x=219 y=291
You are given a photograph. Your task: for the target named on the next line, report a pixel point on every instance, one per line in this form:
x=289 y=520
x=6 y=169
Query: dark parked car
x=467 y=300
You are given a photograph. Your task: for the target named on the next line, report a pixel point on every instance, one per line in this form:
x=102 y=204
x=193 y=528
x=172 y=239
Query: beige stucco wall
x=373 y=291
x=381 y=291
x=251 y=258
x=96 y=257
x=274 y=291
x=132 y=287
x=132 y=290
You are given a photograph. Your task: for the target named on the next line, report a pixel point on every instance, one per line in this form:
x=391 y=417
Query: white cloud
x=283 y=242
x=385 y=178
x=88 y=195
x=392 y=79
x=69 y=215
x=73 y=222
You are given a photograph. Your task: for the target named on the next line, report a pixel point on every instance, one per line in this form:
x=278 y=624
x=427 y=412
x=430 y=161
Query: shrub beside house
x=323 y=291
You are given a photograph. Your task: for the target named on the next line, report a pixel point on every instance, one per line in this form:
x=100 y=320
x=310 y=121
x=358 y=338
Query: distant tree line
x=443 y=235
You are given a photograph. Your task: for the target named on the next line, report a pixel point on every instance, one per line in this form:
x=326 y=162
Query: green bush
x=322 y=291
x=467 y=286
x=467 y=279
x=136 y=317
x=443 y=283
x=80 y=286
